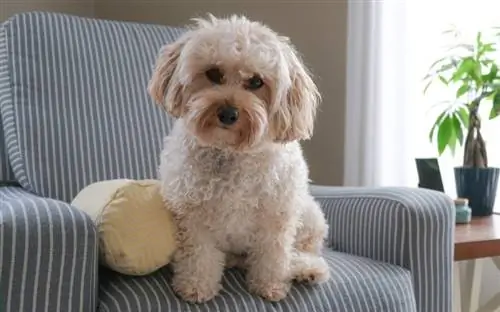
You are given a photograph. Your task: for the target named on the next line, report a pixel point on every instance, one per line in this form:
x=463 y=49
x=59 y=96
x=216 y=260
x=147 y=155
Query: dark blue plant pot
x=479 y=186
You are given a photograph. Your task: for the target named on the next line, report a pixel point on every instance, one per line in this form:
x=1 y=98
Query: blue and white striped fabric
x=48 y=255
x=6 y=174
x=75 y=107
x=412 y=228
x=357 y=285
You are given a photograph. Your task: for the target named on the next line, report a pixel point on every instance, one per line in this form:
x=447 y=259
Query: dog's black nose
x=227 y=114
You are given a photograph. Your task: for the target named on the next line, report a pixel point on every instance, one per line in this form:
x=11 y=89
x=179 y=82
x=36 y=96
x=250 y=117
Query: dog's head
x=236 y=83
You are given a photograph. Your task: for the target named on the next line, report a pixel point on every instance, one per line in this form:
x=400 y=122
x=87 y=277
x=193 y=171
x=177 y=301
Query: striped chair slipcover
x=74 y=110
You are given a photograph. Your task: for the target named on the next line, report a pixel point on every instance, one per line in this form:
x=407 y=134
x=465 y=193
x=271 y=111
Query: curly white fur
x=239 y=193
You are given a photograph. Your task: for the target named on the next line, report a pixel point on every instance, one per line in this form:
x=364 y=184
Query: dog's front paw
x=313 y=275
x=195 y=292
x=310 y=269
x=272 y=291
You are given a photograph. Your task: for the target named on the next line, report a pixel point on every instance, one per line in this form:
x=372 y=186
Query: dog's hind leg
x=309 y=268
x=312 y=230
x=307 y=265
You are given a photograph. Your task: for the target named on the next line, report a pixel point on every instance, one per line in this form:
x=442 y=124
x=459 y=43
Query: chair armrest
x=48 y=254
x=409 y=227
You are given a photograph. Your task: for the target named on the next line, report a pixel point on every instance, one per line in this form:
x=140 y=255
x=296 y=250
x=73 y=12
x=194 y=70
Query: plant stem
x=475 y=147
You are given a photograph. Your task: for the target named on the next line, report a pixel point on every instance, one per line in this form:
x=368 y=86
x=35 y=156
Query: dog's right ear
x=163 y=87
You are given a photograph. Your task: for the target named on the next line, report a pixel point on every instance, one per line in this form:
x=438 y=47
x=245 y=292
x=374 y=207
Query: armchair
x=74 y=110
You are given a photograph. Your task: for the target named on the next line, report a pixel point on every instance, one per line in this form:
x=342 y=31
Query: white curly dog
x=232 y=169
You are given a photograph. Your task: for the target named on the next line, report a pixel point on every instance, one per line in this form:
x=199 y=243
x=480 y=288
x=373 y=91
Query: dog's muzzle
x=227 y=114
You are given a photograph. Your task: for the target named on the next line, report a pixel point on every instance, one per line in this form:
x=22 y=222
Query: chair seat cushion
x=357 y=284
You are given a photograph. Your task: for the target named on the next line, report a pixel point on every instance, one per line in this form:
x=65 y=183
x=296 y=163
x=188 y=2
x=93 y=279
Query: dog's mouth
x=228 y=125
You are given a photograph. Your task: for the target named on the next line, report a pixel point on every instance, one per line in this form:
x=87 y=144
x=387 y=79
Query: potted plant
x=472 y=71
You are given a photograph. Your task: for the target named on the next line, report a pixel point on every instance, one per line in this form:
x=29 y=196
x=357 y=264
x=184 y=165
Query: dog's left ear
x=163 y=87
x=294 y=119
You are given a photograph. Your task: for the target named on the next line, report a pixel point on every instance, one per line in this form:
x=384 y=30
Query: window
x=425 y=24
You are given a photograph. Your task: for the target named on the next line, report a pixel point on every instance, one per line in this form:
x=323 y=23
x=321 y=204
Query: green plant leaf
x=493 y=71
x=465 y=46
x=490 y=94
x=485 y=48
x=489 y=47
x=445 y=133
x=436 y=125
x=443 y=80
x=431 y=78
x=446 y=65
x=492 y=74
x=437 y=62
x=495 y=110
x=454 y=31
x=441 y=60
x=487 y=62
x=476 y=74
x=457 y=125
x=479 y=42
x=463 y=115
x=494 y=113
x=467 y=66
x=427 y=86
x=463 y=90
x=445 y=68
x=452 y=142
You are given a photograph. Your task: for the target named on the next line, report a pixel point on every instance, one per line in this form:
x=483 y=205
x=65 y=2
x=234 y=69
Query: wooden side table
x=474 y=242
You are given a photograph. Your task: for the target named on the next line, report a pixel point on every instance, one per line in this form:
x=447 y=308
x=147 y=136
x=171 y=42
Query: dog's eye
x=254 y=83
x=214 y=75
